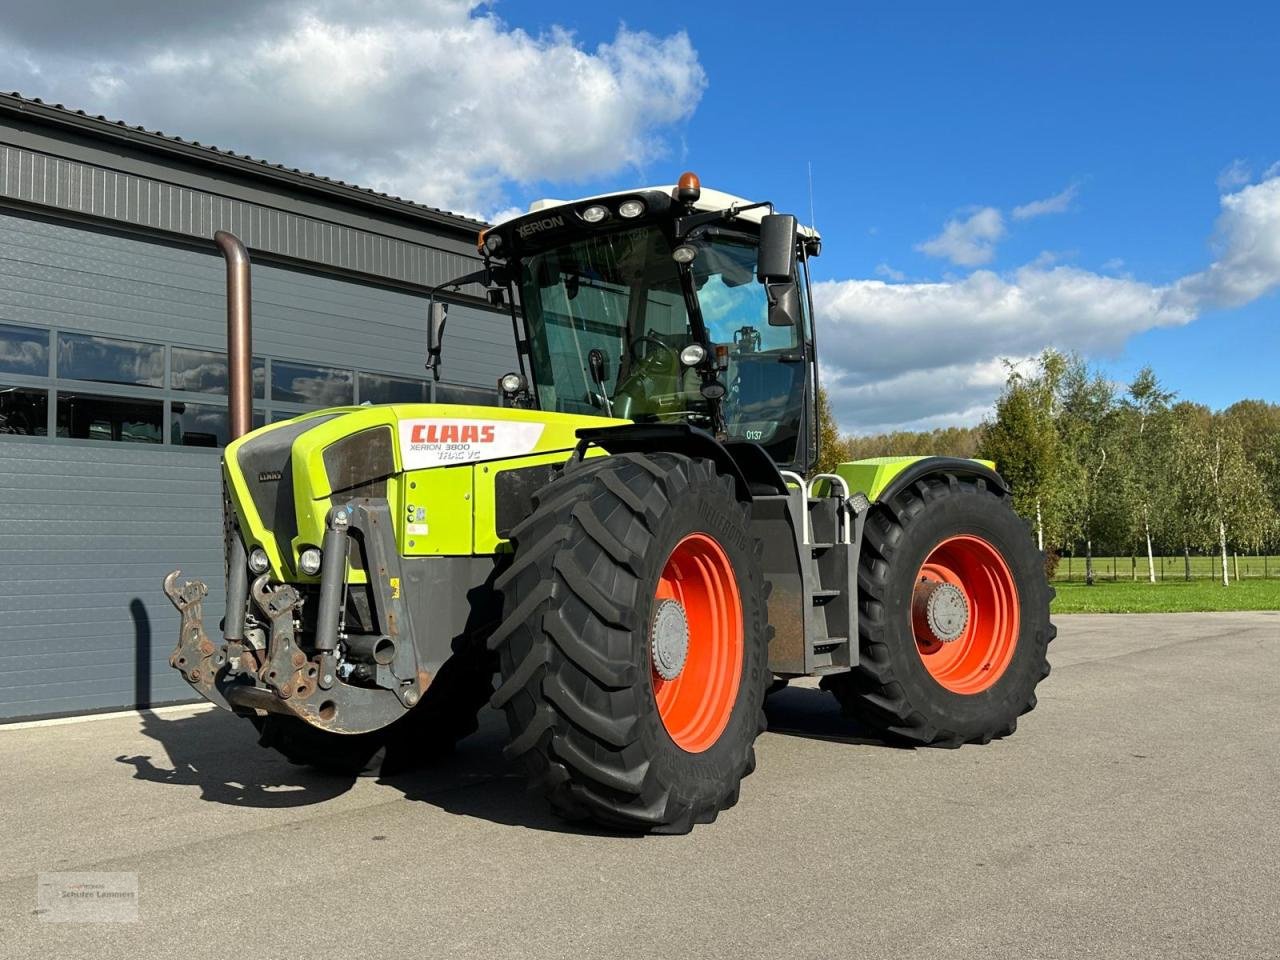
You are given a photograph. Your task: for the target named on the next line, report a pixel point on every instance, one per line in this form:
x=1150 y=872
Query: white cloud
x=884 y=270
x=1234 y=175
x=915 y=399
x=434 y=100
x=1248 y=240
x=923 y=354
x=968 y=242
x=1058 y=203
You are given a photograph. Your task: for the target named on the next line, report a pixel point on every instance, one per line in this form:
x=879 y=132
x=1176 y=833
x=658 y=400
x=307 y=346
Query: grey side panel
x=121 y=286
x=87 y=533
x=773 y=526
x=331 y=320
x=104 y=193
x=89 y=529
x=71 y=136
x=451 y=598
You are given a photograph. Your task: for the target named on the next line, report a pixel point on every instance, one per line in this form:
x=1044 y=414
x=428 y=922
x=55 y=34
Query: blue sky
x=990 y=178
x=913 y=112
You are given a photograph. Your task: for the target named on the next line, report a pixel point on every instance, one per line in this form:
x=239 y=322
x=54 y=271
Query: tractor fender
x=933 y=466
x=752 y=470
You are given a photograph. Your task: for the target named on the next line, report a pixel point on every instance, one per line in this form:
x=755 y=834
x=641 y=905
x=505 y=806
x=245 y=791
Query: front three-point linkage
x=286 y=669
x=195 y=657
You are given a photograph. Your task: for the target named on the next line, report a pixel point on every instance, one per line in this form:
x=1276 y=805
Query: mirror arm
x=692 y=221
x=435 y=344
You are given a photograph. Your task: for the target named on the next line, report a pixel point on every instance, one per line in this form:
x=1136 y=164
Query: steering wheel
x=649 y=338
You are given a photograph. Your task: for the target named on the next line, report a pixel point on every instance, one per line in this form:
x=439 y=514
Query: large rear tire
x=445 y=715
x=964 y=668
x=634 y=647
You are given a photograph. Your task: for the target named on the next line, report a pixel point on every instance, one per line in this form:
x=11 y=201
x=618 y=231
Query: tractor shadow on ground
x=478 y=781
x=219 y=754
x=812 y=714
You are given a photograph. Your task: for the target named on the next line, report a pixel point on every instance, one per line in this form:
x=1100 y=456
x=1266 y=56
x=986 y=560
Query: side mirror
x=598 y=365
x=435 y=335
x=784 y=303
x=776 y=255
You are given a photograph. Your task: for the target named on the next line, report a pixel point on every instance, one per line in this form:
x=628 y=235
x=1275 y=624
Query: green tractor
x=634 y=542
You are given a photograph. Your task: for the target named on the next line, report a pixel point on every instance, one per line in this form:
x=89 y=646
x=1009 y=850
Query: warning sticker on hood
x=438 y=443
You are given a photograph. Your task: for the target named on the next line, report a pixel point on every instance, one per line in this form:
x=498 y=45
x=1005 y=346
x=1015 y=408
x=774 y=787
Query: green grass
x=1169 y=596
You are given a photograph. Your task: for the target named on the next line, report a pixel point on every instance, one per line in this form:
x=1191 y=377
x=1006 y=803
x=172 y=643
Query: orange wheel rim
x=966 y=652
x=696 y=703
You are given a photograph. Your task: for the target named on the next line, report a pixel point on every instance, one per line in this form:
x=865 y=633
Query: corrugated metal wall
x=35 y=177
x=87 y=532
x=89 y=528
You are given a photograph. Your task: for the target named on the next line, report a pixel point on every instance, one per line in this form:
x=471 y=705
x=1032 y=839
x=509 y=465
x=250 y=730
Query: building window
x=189 y=395
x=457 y=393
x=198 y=424
x=205 y=371
x=84 y=416
x=375 y=388
x=314 y=386
x=83 y=357
x=24 y=412
x=23 y=350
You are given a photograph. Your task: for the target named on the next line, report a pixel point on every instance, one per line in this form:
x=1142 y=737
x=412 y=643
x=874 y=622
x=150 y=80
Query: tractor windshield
x=622 y=294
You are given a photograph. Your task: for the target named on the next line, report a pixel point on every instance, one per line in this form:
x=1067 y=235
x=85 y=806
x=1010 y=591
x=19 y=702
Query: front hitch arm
x=200 y=662
x=286 y=671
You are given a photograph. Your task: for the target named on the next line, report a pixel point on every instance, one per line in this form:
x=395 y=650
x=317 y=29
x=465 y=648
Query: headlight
x=309 y=561
x=631 y=208
x=258 y=562
x=492 y=242
x=511 y=383
x=595 y=213
x=693 y=354
x=685 y=253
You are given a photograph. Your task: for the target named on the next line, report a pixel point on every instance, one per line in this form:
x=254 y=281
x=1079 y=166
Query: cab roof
x=709 y=200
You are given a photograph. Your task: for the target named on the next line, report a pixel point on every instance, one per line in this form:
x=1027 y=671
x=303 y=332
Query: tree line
x=1098 y=467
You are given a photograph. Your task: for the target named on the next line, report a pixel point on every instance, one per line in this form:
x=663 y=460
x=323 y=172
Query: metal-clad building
x=113 y=374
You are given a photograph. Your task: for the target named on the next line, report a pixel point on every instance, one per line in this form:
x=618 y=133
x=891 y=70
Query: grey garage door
x=112 y=406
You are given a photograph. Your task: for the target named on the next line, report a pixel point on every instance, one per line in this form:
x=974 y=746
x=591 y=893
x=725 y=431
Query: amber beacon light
x=688 y=187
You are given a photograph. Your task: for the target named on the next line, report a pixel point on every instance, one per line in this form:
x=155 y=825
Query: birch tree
x=1146 y=456
x=1024 y=442
x=1223 y=494
x=1087 y=427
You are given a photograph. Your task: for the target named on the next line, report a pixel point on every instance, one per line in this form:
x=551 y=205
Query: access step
x=829 y=644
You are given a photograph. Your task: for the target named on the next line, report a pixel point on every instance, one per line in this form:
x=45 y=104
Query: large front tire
x=620 y=555
x=969 y=687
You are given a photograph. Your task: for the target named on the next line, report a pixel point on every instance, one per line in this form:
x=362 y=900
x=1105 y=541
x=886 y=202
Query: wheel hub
x=941 y=609
x=669 y=637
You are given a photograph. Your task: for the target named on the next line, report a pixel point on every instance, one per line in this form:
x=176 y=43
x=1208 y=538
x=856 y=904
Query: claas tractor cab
x=630 y=552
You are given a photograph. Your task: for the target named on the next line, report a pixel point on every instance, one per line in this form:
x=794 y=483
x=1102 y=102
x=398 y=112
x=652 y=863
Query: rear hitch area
x=277 y=662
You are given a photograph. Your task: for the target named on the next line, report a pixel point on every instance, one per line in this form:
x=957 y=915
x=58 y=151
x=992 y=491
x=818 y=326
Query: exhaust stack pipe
x=239 y=334
x=240 y=414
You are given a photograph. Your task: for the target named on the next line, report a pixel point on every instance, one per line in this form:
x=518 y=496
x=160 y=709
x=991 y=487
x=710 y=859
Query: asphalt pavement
x=1132 y=815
